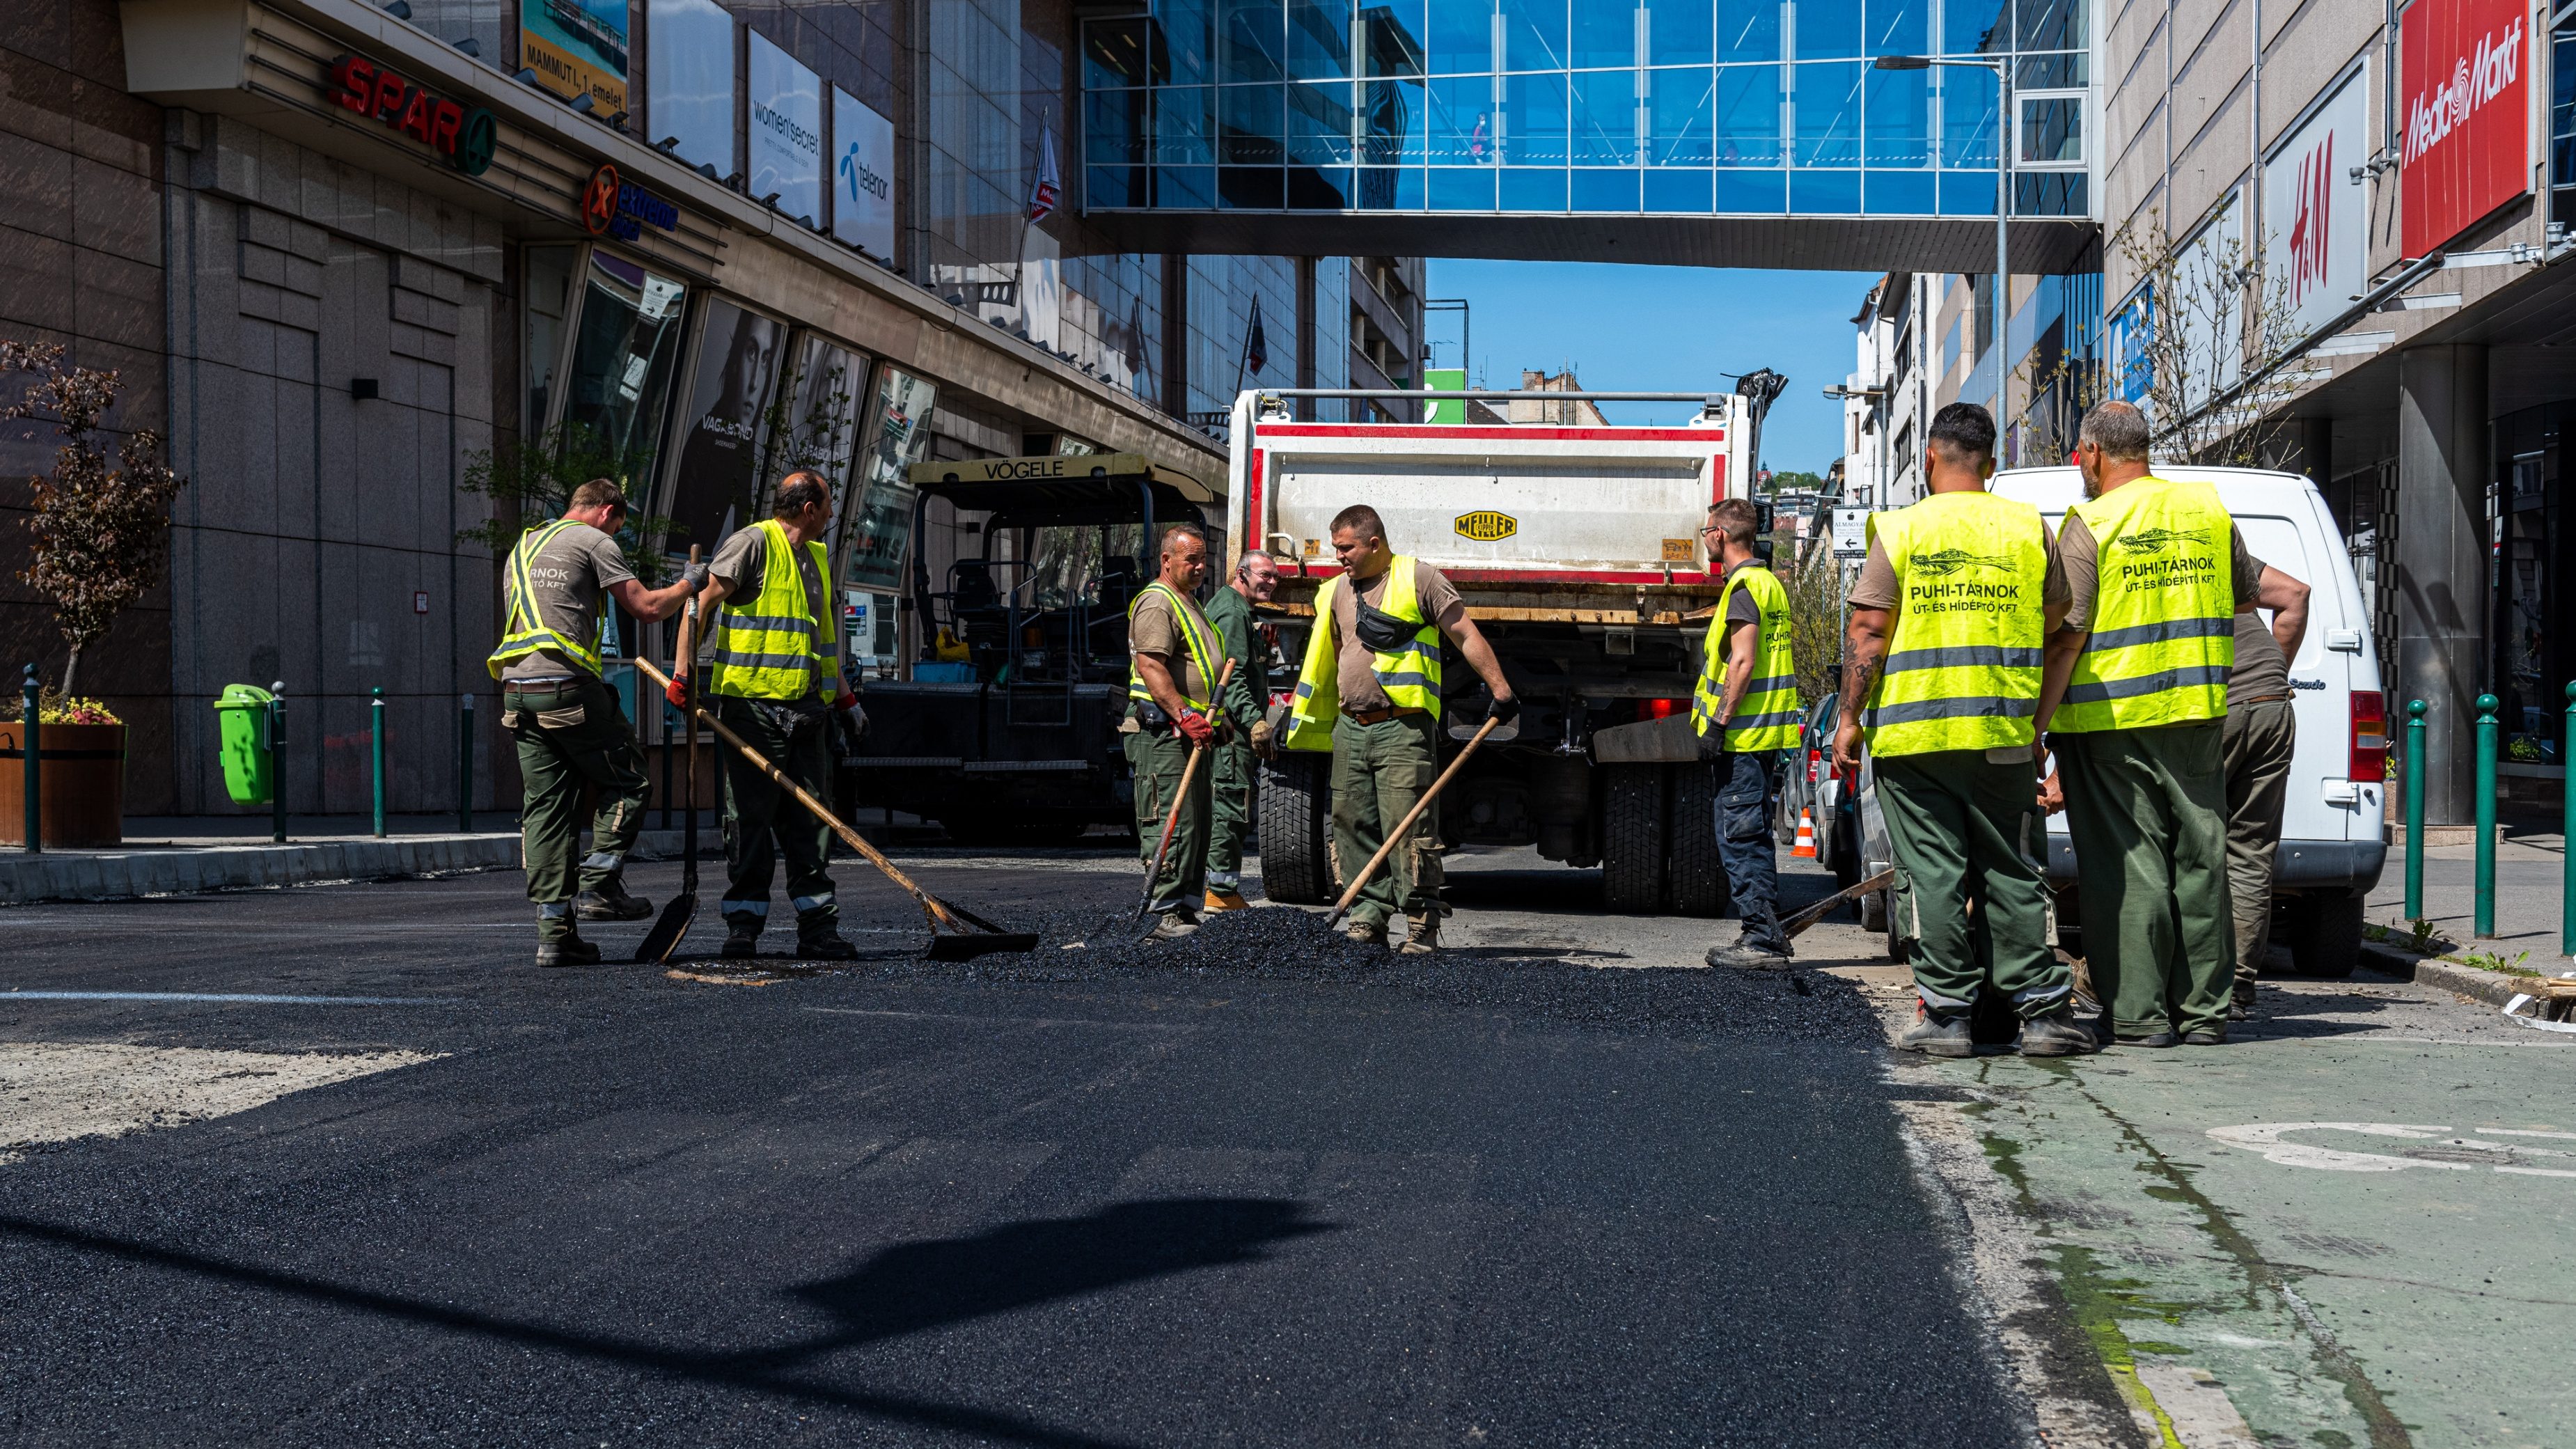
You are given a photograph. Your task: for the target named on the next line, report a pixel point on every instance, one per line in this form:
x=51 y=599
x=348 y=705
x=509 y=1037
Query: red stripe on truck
x=1548 y=575
x=1498 y=434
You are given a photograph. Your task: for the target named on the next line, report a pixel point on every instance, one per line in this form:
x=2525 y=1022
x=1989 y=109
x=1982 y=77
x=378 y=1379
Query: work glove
x=1196 y=726
x=694 y=575
x=1712 y=745
x=677 y=692
x=1504 y=709
x=845 y=701
x=849 y=727
x=1263 y=742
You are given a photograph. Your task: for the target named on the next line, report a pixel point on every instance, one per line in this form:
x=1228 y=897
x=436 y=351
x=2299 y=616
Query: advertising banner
x=2315 y=243
x=2466 y=112
x=577 y=47
x=689 y=81
x=786 y=131
x=863 y=176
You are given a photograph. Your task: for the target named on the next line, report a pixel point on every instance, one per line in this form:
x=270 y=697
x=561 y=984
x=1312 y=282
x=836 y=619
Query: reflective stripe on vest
x=1963 y=667
x=770 y=645
x=1409 y=672
x=527 y=631
x=2164 y=610
x=1206 y=649
x=1767 y=717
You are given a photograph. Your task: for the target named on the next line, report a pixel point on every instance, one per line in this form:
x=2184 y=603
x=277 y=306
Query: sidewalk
x=2530 y=870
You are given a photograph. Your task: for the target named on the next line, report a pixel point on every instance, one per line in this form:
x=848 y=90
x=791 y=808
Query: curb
x=102 y=876
x=2492 y=987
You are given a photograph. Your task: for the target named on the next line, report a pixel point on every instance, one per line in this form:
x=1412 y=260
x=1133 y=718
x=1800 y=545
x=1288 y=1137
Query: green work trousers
x=1157 y=761
x=1380 y=771
x=2257 y=741
x=1229 y=813
x=2148 y=811
x=570 y=735
x=762 y=821
x=1963 y=826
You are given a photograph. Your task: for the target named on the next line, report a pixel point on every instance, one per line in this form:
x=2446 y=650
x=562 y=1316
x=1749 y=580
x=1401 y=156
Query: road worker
x=2132 y=706
x=1178 y=656
x=777 y=683
x=569 y=727
x=1379 y=706
x=2256 y=743
x=1745 y=711
x=1949 y=618
x=1247 y=696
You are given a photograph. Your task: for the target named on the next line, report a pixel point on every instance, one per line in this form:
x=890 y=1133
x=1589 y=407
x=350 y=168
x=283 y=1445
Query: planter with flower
x=81 y=755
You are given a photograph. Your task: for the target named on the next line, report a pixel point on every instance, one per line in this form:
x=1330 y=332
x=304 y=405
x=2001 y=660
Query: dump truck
x=1577 y=550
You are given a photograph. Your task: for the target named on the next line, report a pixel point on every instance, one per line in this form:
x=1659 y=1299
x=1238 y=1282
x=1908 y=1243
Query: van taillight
x=2369 y=736
x=1815 y=765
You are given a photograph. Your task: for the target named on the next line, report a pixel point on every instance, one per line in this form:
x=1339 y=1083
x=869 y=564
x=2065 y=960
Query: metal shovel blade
x=667 y=932
x=967 y=948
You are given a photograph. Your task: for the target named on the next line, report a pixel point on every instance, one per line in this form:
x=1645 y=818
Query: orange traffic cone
x=1806 y=845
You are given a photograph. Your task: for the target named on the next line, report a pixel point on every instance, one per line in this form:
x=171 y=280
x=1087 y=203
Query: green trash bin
x=249 y=763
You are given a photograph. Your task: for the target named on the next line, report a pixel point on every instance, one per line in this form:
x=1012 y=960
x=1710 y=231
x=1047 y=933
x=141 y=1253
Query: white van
x=2334 y=837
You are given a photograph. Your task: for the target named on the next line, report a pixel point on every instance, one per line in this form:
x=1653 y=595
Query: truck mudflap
x=2341 y=865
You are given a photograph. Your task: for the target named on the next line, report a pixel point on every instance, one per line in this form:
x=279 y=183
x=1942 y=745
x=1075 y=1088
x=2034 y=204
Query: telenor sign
x=2467 y=137
x=463 y=134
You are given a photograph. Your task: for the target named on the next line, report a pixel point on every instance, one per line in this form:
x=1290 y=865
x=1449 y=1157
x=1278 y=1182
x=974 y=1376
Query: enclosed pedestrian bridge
x=1749 y=133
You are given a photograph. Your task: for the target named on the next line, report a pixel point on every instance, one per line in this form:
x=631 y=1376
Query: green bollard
x=277 y=763
x=376 y=732
x=2567 y=832
x=2485 y=925
x=465 y=765
x=2414 y=811
x=31 y=759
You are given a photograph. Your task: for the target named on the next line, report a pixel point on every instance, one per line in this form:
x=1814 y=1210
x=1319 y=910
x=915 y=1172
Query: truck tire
x=2325 y=935
x=1695 y=880
x=1295 y=808
x=1632 y=838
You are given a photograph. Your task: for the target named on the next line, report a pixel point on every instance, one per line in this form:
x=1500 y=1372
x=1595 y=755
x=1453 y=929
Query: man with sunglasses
x=1745 y=711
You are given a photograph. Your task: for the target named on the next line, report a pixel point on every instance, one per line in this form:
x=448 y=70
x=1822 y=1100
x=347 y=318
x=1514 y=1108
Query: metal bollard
x=277 y=763
x=2567 y=832
x=31 y=753
x=2485 y=923
x=465 y=765
x=2414 y=810
x=376 y=734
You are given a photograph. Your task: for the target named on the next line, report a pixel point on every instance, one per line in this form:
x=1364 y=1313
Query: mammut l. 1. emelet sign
x=1486 y=526
x=465 y=135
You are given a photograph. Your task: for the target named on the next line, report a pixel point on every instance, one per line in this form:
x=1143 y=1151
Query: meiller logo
x=2466 y=148
x=2435 y=113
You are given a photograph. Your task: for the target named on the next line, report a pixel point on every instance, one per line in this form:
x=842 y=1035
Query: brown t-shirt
x=742 y=561
x=1439 y=602
x=1876 y=588
x=2082 y=558
x=1152 y=630
x=2261 y=672
x=570 y=574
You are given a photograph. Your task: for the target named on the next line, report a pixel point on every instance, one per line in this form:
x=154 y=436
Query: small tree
x=540 y=477
x=1814 y=580
x=102 y=534
x=2210 y=322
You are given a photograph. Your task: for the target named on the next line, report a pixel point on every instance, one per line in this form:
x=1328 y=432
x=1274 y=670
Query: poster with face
x=717 y=490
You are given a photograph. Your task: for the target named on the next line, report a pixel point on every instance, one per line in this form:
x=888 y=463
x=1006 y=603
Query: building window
x=625 y=353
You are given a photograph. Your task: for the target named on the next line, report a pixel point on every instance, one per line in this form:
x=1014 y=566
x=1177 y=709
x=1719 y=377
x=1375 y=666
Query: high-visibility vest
x=527 y=630
x=770 y=645
x=1409 y=672
x=2164 y=610
x=1963 y=668
x=1206 y=649
x=1767 y=717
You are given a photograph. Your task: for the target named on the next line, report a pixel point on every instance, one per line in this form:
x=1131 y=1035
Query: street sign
x=1851 y=533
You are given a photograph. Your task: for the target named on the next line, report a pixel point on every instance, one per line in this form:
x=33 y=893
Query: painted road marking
x=2442 y=1148
x=244 y=998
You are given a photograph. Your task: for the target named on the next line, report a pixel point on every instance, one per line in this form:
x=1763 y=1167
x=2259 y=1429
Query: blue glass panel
x=1462 y=120
x=1319 y=39
x=1605 y=118
x=1462 y=36
x=1752 y=193
x=2059 y=193
x=1185 y=186
x=1605 y=33
x=1462 y=188
x=1113 y=130
x=1252 y=39
x=1185 y=126
x=1393 y=113
x=1829 y=29
x=2050 y=25
x=1748 y=30
x=1897 y=27
x=1827 y=100
x=1384 y=188
x=1534 y=119
x=1533 y=188
x=2049 y=72
x=1967 y=193
x=1534 y=34
x=1319 y=124
x=1113 y=53
x=1899 y=117
x=1319 y=189
x=1251 y=125
x=1248 y=188
x=1970 y=26
x=1677 y=191
x=1824 y=193
x=1677 y=32
x=2051 y=130
x=1967 y=117
x=1605 y=190
x=1901 y=193
x=1748 y=115
x=1391 y=41
x=1678 y=119
x=1114 y=186
x=1187 y=40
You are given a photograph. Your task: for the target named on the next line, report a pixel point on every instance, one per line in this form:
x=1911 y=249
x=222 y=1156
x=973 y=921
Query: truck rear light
x=2369 y=736
x=1661 y=708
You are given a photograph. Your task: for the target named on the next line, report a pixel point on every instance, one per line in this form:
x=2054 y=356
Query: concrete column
x=2437 y=561
x=1306 y=334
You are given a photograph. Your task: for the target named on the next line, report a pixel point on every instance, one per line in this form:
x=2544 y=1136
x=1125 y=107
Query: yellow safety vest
x=770 y=646
x=1963 y=668
x=527 y=631
x=1409 y=672
x=1206 y=649
x=1767 y=717
x=2164 y=610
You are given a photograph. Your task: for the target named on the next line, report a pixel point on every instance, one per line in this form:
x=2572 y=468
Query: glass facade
x=1752 y=107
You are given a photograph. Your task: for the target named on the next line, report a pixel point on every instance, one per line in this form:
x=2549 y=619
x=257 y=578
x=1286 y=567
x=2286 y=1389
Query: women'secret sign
x=2467 y=114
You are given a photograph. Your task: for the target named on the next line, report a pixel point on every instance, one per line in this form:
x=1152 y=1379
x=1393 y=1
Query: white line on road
x=242 y=997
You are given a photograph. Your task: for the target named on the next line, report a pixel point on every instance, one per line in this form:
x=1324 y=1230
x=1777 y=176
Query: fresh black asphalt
x=1021 y=1201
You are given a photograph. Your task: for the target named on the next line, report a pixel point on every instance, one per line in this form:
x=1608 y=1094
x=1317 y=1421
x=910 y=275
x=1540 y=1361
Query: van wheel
x=1632 y=838
x=1295 y=809
x=1697 y=876
x=1873 y=911
x=1900 y=949
x=2325 y=935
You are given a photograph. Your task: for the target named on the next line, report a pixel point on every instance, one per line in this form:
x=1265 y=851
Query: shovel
x=971 y=935
x=1172 y=820
x=1792 y=925
x=667 y=933
x=1368 y=872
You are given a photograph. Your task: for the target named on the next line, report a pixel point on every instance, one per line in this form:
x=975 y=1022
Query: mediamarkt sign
x=2467 y=114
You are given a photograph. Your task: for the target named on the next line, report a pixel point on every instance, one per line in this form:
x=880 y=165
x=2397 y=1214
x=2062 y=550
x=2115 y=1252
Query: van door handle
x=2346 y=641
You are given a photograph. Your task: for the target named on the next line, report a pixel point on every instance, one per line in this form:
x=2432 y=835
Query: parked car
x=1808 y=782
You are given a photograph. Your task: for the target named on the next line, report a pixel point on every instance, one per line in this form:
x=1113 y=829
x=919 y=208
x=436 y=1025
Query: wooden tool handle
x=1812 y=914
x=1369 y=871
x=1172 y=817
x=684 y=656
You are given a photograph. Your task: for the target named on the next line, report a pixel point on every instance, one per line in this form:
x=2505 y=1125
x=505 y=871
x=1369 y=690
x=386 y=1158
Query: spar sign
x=2467 y=114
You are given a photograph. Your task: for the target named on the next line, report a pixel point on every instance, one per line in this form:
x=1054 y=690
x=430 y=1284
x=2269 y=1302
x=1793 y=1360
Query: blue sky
x=1665 y=329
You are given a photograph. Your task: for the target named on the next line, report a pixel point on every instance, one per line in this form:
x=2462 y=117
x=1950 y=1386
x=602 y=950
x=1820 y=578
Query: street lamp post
x=2001 y=65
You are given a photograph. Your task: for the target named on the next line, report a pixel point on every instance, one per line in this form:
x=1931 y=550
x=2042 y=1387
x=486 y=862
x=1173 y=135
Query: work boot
x=1421 y=936
x=1172 y=926
x=610 y=902
x=1750 y=956
x=568 y=951
x=2154 y=1040
x=742 y=938
x=1367 y=933
x=2206 y=1036
x=1219 y=901
x=2055 y=1033
x=2241 y=1008
x=825 y=948
x=1937 y=1033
